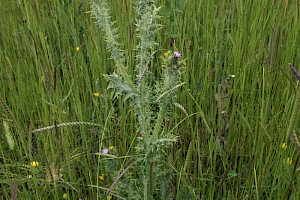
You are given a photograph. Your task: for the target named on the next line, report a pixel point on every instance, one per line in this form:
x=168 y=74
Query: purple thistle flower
x=105 y=151
x=177 y=54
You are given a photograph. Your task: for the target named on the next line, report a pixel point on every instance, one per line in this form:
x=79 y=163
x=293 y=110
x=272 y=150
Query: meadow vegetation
x=145 y=99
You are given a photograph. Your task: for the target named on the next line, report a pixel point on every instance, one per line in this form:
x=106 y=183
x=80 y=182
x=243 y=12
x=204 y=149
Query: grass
x=229 y=139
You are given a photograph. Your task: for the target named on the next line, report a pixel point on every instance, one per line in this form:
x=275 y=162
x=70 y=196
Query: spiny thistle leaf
x=143 y=5
x=165 y=141
x=103 y=20
x=116 y=82
x=146 y=28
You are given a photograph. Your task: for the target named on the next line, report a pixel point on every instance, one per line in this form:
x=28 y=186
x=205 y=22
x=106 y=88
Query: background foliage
x=235 y=153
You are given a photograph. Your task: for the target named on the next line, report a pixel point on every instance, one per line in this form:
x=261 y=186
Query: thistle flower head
x=177 y=54
x=105 y=151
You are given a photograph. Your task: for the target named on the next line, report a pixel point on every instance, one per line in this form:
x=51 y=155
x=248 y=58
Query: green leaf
x=121 y=88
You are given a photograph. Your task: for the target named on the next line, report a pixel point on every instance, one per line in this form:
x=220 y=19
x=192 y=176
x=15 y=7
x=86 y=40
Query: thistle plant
x=151 y=102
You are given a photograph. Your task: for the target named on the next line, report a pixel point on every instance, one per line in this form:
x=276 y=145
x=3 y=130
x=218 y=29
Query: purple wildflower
x=105 y=151
x=177 y=54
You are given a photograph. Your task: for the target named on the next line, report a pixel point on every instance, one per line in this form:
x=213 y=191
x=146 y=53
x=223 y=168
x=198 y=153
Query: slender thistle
x=151 y=102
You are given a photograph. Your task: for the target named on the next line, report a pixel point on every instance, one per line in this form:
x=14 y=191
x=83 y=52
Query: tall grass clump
x=292 y=135
x=295 y=113
x=150 y=98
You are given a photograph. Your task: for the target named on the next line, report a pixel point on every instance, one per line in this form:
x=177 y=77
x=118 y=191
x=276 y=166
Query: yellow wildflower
x=77 y=49
x=96 y=94
x=289 y=161
x=102 y=177
x=34 y=164
x=111 y=147
x=65 y=195
x=284 y=146
x=166 y=54
x=108 y=197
